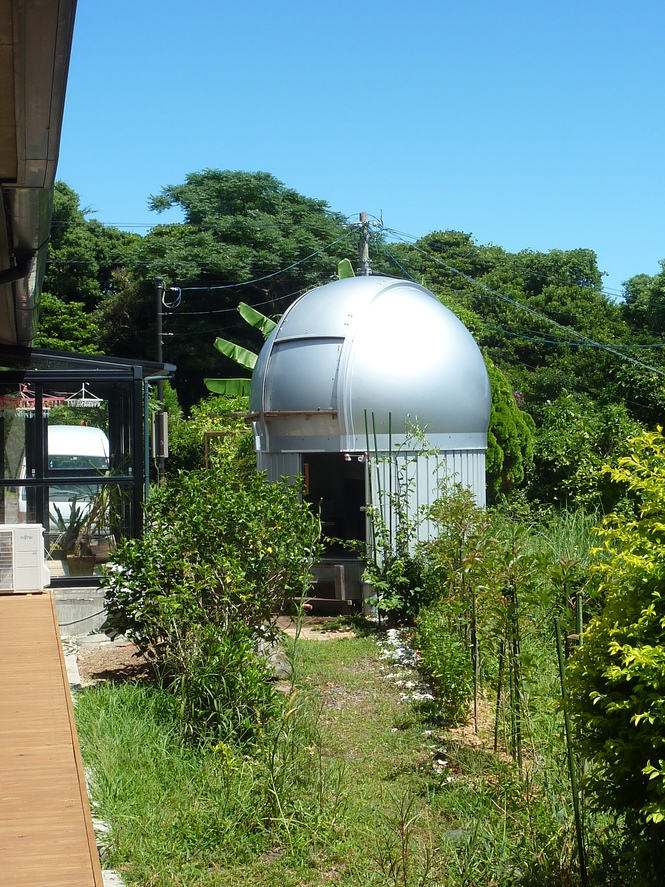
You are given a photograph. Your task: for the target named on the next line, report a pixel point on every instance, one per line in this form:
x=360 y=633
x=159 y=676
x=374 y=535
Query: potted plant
x=68 y=527
x=94 y=533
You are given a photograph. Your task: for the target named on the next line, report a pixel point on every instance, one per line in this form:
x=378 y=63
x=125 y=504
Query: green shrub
x=201 y=586
x=230 y=442
x=576 y=439
x=398 y=586
x=510 y=438
x=222 y=686
x=444 y=659
x=394 y=567
x=617 y=677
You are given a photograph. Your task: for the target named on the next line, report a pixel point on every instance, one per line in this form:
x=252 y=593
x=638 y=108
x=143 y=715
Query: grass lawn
x=357 y=785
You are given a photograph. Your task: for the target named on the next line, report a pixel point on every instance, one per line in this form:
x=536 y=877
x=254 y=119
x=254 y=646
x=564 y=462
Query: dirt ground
x=121 y=661
x=315 y=628
x=110 y=662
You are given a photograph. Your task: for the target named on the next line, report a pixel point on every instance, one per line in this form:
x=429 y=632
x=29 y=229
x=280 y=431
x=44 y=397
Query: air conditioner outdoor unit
x=22 y=558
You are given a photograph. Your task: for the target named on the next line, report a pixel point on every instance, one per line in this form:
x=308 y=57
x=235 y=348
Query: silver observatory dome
x=363 y=357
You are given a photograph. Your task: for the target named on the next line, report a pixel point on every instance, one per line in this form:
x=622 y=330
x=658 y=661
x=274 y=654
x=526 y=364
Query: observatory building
x=367 y=387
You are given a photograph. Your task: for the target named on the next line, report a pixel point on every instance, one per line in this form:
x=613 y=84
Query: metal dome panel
x=371 y=346
x=413 y=357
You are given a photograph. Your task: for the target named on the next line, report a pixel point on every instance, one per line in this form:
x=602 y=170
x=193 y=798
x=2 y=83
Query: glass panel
x=16 y=422
x=77 y=438
x=67 y=464
x=18 y=505
x=89 y=429
x=86 y=524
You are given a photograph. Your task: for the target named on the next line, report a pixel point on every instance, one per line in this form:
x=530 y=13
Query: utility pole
x=159 y=433
x=364 y=269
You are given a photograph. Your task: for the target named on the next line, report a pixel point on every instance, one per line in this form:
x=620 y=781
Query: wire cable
x=390 y=256
x=503 y=262
x=537 y=314
x=227 y=286
x=544 y=341
x=234 y=310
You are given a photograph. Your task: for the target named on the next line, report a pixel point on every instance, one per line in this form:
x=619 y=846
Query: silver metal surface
x=370 y=347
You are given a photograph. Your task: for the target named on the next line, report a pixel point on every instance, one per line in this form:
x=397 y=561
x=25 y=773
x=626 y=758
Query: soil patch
x=121 y=661
x=316 y=628
x=116 y=662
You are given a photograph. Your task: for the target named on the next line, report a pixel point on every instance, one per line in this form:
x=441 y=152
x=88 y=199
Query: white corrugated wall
x=277 y=465
x=414 y=480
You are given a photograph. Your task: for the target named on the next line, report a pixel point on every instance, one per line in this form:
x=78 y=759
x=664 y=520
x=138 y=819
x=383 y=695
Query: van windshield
x=78 y=463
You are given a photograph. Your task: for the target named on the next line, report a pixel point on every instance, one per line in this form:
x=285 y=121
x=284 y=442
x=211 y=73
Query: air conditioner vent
x=6 y=561
x=22 y=558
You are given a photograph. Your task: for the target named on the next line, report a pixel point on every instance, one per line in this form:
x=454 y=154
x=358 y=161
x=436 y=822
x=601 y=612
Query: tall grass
x=349 y=789
x=352 y=784
x=180 y=814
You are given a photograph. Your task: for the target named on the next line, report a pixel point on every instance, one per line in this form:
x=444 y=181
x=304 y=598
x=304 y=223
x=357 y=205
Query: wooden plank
x=46 y=833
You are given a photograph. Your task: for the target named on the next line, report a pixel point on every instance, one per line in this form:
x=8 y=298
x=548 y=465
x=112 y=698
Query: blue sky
x=531 y=125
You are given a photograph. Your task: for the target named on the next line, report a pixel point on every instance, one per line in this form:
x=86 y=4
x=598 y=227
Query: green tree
x=644 y=302
x=82 y=253
x=577 y=437
x=510 y=438
x=126 y=317
x=66 y=326
x=237 y=227
x=241 y=226
x=617 y=677
x=197 y=591
x=220 y=420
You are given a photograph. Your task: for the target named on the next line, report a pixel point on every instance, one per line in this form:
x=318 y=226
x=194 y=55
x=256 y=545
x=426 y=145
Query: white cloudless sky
x=531 y=125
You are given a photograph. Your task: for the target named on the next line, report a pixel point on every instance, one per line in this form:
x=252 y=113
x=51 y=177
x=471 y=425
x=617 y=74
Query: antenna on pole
x=160 y=427
x=364 y=269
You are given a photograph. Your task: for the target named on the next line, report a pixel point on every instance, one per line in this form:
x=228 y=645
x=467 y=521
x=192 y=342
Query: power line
x=234 y=310
x=390 y=256
x=227 y=286
x=504 y=261
x=516 y=266
x=537 y=314
x=541 y=340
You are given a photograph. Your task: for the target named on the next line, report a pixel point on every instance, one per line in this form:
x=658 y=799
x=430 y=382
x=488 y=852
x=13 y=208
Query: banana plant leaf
x=241 y=356
x=233 y=387
x=256 y=319
x=345 y=269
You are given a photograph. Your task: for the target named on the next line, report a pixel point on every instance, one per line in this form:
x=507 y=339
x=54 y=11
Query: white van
x=79 y=448
x=74 y=450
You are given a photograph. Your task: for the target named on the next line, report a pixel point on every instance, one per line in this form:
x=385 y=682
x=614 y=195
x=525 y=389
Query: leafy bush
x=187 y=445
x=444 y=659
x=454 y=558
x=510 y=438
x=394 y=568
x=198 y=590
x=398 y=586
x=576 y=440
x=617 y=677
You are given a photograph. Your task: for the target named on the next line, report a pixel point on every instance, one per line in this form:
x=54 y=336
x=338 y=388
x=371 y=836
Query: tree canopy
x=244 y=238
x=83 y=253
x=541 y=318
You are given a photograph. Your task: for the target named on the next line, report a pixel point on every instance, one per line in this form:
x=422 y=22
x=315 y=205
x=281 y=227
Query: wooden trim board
x=46 y=833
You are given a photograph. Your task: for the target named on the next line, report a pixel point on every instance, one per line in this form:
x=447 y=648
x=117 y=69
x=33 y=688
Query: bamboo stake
x=499 y=691
x=571 y=756
x=518 y=679
x=390 y=479
x=474 y=658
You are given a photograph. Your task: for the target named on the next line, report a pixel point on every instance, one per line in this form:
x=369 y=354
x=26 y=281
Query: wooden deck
x=46 y=834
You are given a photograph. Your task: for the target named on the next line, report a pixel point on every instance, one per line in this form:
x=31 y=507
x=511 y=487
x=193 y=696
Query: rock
x=279 y=665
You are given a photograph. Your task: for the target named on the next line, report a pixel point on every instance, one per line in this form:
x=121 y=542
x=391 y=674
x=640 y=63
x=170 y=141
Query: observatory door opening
x=335 y=485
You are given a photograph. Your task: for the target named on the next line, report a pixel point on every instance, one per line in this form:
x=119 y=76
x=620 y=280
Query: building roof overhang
x=35 y=48
x=42 y=361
